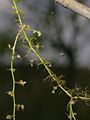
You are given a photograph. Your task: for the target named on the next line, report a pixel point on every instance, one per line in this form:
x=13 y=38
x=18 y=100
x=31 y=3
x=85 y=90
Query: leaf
x=38 y=32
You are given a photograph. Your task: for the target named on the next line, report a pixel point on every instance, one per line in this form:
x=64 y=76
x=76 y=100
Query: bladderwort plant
x=74 y=95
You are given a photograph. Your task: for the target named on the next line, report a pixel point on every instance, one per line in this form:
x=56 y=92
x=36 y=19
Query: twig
x=76 y=7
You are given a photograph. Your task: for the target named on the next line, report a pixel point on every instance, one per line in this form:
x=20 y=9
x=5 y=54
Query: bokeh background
x=66 y=43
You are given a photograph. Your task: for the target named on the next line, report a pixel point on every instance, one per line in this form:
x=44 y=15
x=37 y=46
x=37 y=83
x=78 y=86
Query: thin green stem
x=17 y=12
x=82 y=98
x=51 y=74
x=36 y=53
x=71 y=115
x=13 y=70
x=47 y=68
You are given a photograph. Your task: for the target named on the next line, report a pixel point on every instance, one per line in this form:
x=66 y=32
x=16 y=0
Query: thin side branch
x=76 y=7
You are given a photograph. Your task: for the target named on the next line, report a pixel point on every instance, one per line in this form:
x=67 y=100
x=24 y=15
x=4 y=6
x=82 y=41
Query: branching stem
x=51 y=74
x=13 y=70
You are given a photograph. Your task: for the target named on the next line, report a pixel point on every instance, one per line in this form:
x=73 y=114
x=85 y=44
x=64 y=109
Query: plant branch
x=54 y=77
x=71 y=4
x=76 y=7
x=13 y=70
